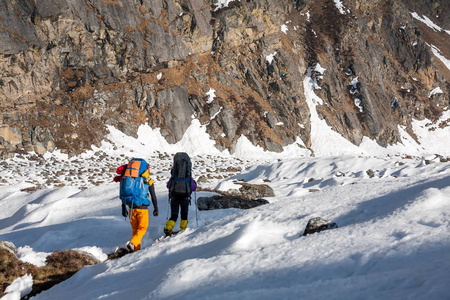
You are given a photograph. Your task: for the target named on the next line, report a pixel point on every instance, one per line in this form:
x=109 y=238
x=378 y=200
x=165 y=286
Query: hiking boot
x=169 y=227
x=183 y=224
x=167 y=232
x=130 y=247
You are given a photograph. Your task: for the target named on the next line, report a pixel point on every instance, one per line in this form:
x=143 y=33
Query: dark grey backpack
x=181 y=173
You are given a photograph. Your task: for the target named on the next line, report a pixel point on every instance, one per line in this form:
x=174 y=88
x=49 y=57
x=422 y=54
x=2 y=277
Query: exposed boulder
x=254 y=190
x=318 y=224
x=8 y=246
x=60 y=266
x=221 y=202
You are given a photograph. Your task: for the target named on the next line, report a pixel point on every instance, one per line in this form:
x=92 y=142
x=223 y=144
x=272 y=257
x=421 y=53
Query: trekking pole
x=196 y=207
x=168 y=207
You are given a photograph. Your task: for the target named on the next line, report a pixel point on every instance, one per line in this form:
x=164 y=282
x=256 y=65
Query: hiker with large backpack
x=180 y=186
x=135 y=186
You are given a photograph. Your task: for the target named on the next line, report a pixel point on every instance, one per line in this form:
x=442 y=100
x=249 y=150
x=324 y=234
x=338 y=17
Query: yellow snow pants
x=139 y=223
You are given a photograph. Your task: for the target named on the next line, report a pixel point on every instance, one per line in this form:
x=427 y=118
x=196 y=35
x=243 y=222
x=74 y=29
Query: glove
x=121 y=170
x=124 y=210
x=155 y=212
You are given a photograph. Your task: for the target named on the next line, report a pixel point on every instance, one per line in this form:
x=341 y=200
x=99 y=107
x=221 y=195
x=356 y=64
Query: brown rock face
x=68 y=68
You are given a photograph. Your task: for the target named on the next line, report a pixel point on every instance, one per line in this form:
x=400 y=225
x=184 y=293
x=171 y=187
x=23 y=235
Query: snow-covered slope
x=392 y=241
x=392 y=207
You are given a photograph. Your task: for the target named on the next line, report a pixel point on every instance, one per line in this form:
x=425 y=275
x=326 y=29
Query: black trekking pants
x=175 y=205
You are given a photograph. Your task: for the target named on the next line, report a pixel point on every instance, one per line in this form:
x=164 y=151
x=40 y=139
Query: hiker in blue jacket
x=135 y=186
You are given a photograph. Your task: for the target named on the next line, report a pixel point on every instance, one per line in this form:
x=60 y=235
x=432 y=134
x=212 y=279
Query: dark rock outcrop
x=221 y=202
x=317 y=225
x=253 y=190
x=68 y=68
x=60 y=266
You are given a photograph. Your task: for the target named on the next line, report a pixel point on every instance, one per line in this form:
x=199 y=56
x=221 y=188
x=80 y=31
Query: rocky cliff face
x=68 y=68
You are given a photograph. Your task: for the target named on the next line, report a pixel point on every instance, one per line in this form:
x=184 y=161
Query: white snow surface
x=19 y=288
x=441 y=57
x=271 y=57
x=392 y=242
x=392 y=206
x=211 y=95
x=27 y=254
x=222 y=3
x=428 y=22
x=319 y=68
x=358 y=104
x=435 y=91
x=340 y=7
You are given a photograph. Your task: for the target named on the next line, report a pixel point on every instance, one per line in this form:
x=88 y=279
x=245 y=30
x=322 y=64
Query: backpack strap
x=147 y=179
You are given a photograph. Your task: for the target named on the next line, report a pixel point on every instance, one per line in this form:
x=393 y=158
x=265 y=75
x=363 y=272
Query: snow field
x=391 y=242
